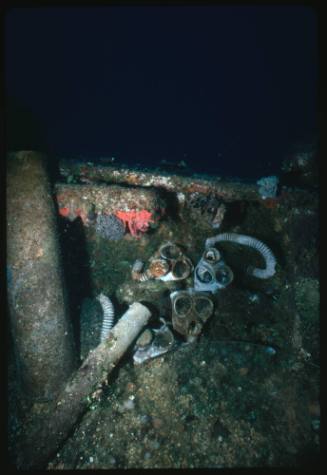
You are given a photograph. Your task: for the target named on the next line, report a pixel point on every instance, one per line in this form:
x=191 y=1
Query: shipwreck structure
x=123 y=214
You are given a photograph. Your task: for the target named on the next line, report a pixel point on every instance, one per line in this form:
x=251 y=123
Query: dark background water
x=226 y=89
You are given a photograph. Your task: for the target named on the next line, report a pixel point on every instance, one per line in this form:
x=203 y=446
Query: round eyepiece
x=211 y=255
x=182 y=305
x=204 y=307
x=224 y=275
x=170 y=251
x=181 y=269
x=204 y=275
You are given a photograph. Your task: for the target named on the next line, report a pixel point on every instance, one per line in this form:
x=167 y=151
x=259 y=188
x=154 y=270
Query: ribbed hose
x=249 y=241
x=108 y=315
x=137 y=273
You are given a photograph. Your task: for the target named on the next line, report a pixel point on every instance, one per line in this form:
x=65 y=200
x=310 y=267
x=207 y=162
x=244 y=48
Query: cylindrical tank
x=42 y=334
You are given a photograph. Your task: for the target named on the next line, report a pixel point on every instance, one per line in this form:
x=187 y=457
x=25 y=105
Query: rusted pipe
x=43 y=340
x=39 y=443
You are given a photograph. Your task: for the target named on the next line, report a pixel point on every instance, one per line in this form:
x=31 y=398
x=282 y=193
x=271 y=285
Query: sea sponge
x=109 y=227
x=268 y=186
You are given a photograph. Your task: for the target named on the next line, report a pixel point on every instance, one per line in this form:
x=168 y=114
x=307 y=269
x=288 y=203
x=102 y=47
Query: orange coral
x=136 y=221
x=72 y=213
x=64 y=211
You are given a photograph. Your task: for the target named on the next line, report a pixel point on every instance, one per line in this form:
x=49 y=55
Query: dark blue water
x=226 y=89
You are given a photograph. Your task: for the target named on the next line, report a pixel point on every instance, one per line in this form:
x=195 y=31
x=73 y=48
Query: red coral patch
x=136 y=221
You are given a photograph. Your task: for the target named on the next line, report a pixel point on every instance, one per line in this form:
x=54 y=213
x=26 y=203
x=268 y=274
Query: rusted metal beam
x=226 y=190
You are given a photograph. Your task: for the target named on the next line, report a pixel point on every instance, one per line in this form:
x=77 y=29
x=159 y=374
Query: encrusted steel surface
x=88 y=200
x=228 y=190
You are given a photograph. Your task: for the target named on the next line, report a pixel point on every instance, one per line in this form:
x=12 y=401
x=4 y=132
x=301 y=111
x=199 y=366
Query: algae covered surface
x=246 y=392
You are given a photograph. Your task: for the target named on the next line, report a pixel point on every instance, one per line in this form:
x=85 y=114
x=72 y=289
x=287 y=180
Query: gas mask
x=170 y=257
x=211 y=273
x=190 y=311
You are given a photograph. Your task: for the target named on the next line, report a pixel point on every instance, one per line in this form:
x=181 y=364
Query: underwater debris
x=145 y=338
x=203 y=379
x=211 y=272
x=167 y=264
x=153 y=343
x=109 y=227
x=259 y=246
x=268 y=186
x=37 y=444
x=190 y=311
x=108 y=315
x=180 y=266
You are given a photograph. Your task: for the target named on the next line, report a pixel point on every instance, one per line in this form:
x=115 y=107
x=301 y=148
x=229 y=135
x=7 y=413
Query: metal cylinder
x=43 y=340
